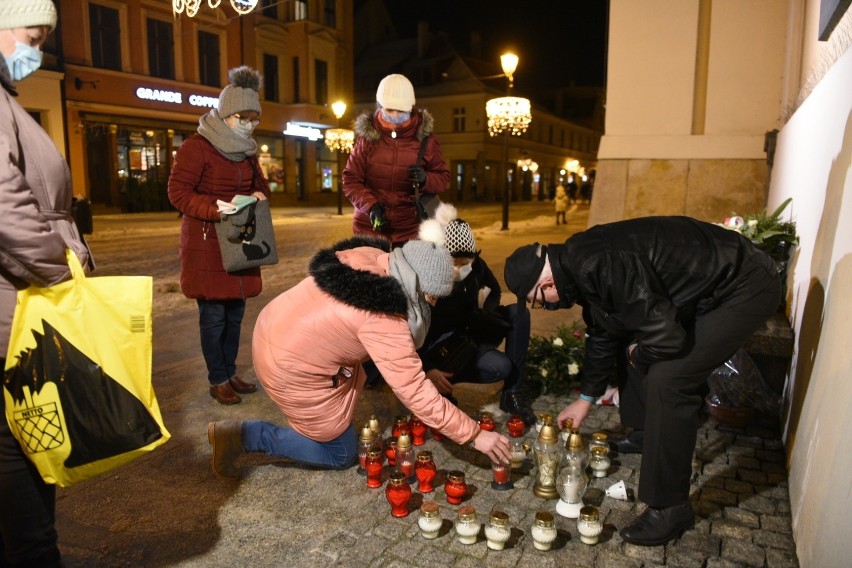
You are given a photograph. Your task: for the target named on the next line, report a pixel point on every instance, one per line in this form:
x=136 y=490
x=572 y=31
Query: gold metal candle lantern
x=546 y=453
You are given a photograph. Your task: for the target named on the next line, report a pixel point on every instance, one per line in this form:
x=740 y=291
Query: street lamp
x=510 y=116
x=339 y=140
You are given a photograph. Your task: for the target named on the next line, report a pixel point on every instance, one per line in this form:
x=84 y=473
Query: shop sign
x=175 y=97
x=312 y=134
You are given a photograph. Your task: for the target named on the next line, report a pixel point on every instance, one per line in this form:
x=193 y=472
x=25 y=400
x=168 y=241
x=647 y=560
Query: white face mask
x=242 y=130
x=462 y=272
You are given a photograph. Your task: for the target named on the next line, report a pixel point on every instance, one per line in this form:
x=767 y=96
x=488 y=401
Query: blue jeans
x=219 y=322
x=492 y=365
x=281 y=442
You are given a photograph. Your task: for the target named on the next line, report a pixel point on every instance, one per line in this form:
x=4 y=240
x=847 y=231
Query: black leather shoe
x=629 y=444
x=657 y=526
x=517 y=403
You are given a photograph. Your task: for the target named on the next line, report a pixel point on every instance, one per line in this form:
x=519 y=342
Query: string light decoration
x=339 y=139
x=508 y=113
x=191 y=7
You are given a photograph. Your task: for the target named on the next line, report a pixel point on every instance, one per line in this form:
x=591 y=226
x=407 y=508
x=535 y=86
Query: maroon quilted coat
x=200 y=176
x=377 y=172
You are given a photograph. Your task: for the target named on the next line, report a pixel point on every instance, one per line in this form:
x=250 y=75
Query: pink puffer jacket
x=348 y=310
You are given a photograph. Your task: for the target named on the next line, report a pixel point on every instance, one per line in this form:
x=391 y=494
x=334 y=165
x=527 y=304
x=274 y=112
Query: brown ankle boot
x=224 y=394
x=226 y=439
x=241 y=386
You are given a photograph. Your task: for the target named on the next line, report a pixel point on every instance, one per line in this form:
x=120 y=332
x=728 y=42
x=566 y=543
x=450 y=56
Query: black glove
x=417 y=174
x=377 y=217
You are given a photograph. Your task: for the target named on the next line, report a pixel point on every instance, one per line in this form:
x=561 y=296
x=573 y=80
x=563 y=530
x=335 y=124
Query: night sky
x=558 y=41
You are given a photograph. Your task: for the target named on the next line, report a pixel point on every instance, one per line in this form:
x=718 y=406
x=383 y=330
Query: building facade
x=455 y=89
x=138 y=77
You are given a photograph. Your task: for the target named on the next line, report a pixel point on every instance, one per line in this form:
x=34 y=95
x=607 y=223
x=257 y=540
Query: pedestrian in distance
x=219 y=163
x=560 y=202
x=680 y=296
x=395 y=148
x=38 y=228
x=360 y=300
x=471 y=315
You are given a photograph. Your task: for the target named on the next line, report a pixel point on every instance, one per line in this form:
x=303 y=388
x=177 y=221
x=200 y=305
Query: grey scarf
x=230 y=144
x=419 y=310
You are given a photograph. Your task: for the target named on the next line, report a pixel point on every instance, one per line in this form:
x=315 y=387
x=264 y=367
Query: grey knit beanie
x=242 y=93
x=433 y=266
x=460 y=240
x=27 y=13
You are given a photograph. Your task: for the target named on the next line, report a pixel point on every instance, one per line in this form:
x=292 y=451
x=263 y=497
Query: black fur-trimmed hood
x=365 y=128
x=358 y=288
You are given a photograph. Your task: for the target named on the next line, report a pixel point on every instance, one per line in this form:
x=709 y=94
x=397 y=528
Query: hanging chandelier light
x=191 y=7
x=339 y=139
x=508 y=113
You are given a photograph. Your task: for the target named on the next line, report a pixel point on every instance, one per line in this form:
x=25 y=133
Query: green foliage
x=767 y=232
x=554 y=363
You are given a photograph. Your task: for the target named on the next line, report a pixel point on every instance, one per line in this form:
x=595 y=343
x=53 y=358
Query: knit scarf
x=419 y=310
x=229 y=143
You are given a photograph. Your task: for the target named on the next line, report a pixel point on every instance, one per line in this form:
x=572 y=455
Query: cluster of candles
x=559 y=472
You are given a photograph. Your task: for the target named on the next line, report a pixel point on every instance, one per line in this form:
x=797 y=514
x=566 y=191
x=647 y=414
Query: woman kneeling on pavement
x=359 y=302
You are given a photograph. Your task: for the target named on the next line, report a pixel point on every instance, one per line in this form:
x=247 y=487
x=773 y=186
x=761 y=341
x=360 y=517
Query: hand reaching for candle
x=494 y=445
x=577 y=411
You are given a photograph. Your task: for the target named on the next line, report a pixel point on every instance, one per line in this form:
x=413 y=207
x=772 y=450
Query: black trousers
x=665 y=400
x=27 y=506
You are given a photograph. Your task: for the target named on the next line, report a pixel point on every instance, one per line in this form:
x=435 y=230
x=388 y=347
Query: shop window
x=271 y=158
x=104 y=37
x=321 y=72
x=270 y=77
x=143 y=169
x=208 y=59
x=161 y=58
x=328 y=169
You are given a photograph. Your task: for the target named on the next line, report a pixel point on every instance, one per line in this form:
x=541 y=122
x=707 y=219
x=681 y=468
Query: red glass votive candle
x=502 y=478
x=515 y=425
x=373 y=466
x=418 y=431
x=486 y=421
x=400 y=423
x=398 y=494
x=390 y=450
x=456 y=488
x=425 y=470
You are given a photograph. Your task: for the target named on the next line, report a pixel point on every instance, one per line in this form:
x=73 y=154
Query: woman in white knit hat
x=395 y=148
x=219 y=163
x=35 y=203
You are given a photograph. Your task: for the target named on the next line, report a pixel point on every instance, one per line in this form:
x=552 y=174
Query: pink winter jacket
x=347 y=311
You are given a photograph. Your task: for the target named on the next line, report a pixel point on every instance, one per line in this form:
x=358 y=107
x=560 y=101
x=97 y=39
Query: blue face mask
x=398 y=119
x=24 y=61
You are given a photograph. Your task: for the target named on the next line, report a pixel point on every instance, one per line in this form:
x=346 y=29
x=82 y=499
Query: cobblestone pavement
x=168 y=509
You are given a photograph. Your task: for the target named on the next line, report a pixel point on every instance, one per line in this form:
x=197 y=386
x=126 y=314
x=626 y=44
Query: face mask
x=242 y=130
x=549 y=306
x=462 y=272
x=24 y=61
x=398 y=119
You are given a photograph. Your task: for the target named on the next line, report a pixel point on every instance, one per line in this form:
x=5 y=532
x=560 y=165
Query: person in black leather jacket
x=672 y=298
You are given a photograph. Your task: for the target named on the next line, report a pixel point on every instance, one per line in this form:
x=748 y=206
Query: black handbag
x=454 y=353
x=426 y=203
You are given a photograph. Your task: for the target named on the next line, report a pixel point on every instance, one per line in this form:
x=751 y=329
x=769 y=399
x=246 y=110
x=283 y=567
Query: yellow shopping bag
x=77 y=383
